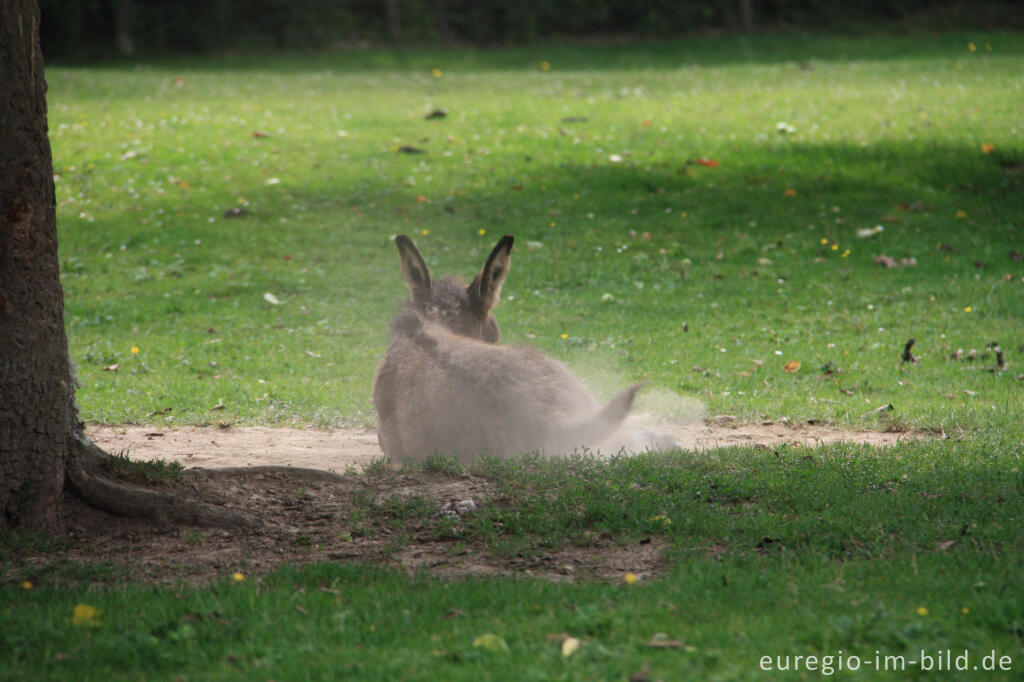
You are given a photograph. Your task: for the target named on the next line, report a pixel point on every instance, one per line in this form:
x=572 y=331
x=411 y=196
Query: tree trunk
x=126 y=27
x=36 y=387
x=747 y=15
x=42 y=443
x=393 y=15
x=444 y=26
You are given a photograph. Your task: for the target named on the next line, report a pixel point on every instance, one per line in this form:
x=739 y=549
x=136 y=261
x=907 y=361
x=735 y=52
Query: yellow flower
x=630 y=578
x=965 y=610
x=85 y=615
x=971 y=47
x=988 y=148
x=437 y=73
x=846 y=253
x=922 y=611
x=961 y=214
x=824 y=241
x=26 y=584
x=835 y=247
x=481 y=232
x=790 y=192
x=135 y=350
x=565 y=336
x=424 y=232
x=237 y=577
x=968 y=309
x=545 y=66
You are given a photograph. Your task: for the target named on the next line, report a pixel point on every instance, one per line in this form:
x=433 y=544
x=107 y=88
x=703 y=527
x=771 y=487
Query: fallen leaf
x=491 y=642
x=642 y=675
x=112 y=368
x=791 y=366
x=271 y=299
x=907 y=355
x=880 y=409
x=570 y=646
x=943 y=546
x=710 y=163
x=260 y=133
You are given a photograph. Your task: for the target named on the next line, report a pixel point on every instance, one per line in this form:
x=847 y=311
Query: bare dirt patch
x=341 y=450
x=310 y=489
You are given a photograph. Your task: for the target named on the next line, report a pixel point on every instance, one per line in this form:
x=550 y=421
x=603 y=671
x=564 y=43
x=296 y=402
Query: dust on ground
x=342 y=450
x=306 y=486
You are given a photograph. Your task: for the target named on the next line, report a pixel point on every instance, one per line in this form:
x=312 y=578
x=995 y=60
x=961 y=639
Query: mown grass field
x=686 y=214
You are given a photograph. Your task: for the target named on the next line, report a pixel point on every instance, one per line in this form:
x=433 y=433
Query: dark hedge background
x=94 y=28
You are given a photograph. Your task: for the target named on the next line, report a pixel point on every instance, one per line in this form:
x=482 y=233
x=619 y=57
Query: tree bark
x=747 y=15
x=126 y=27
x=42 y=442
x=393 y=15
x=36 y=387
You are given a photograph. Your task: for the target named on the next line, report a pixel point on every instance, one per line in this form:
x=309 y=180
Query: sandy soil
x=341 y=450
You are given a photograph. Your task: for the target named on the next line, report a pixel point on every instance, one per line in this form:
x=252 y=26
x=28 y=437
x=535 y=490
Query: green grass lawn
x=686 y=214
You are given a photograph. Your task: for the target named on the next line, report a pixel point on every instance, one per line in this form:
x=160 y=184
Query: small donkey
x=446 y=387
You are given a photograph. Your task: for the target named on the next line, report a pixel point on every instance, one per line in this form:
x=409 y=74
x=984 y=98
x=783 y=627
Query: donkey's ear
x=485 y=290
x=414 y=269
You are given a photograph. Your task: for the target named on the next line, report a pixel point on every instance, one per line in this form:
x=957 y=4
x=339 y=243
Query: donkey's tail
x=598 y=427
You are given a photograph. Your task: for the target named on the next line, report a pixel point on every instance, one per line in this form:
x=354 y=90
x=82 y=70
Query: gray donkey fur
x=447 y=387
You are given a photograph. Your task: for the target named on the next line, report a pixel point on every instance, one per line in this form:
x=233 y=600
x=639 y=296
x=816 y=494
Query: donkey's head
x=465 y=310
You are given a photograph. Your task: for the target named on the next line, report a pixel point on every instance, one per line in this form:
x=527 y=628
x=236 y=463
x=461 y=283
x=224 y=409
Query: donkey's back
x=447 y=387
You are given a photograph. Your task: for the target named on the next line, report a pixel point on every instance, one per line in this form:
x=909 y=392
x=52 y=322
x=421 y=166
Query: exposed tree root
x=313 y=475
x=132 y=501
